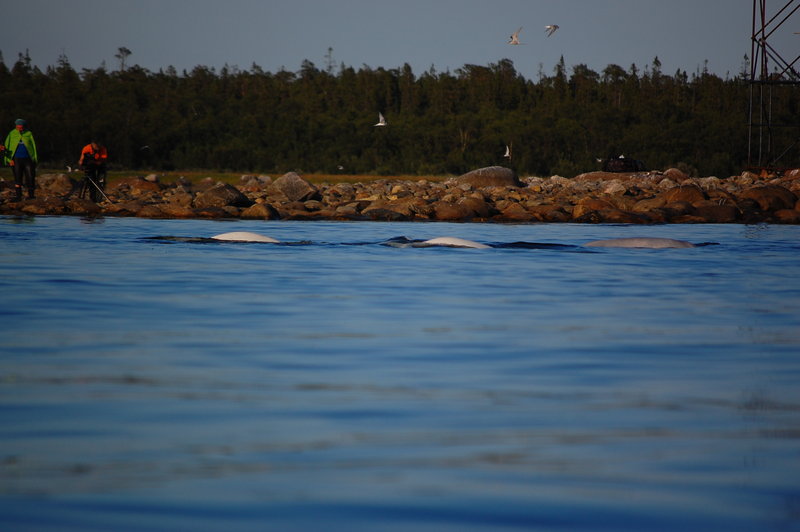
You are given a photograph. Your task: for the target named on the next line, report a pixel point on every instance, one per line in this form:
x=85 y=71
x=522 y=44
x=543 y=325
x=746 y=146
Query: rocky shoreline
x=493 y=194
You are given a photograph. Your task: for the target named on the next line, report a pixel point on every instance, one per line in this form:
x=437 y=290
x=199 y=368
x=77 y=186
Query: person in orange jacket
x=93 y=161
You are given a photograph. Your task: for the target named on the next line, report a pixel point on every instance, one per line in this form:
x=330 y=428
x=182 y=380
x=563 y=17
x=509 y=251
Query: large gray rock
x=491 y=176
x=296 y=188
x=222 y=195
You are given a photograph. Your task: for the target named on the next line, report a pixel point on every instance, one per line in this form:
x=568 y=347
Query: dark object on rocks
x=622 y=164
x=220 y=196
x=491 y=176
x=296 y=188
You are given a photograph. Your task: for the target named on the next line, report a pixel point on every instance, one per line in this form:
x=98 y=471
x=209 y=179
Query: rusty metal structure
x=772 y=146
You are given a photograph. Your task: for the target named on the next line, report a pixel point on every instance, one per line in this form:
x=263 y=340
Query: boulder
x=717 y=214
x=590 y=177
x=296 y=188
x=150 y=211
x=491 y=176
x=127 y=208
x=55 y=184
x=181 y=198
x=514 y=212
x=260 y=211
x=614 y=187
x=83 y=207
x=787 y=216
x=771 y=197
x=176 y=210
x=136 y=185
x=589 y=205
x=689 y=194
x=478 y=206
x=649 y=204
x=675 y=175
x=447 y=211
x=222 y=195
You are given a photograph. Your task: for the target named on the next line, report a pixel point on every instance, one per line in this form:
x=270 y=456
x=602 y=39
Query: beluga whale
x=453 y=242
x=244 y=236
x=641 y=242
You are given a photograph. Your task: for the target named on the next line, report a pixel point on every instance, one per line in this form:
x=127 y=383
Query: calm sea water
x=335 y=383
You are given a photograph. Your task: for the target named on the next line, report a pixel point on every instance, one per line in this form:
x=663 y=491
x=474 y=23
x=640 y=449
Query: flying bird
x=381 y=120
x=515 y=37
x=550 y=29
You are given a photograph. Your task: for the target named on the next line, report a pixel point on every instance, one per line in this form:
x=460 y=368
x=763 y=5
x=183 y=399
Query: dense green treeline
x=321 y=121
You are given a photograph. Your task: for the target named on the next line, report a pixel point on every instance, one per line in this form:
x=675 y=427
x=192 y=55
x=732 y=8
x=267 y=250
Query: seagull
x=381 y=120
x=550 y=29
x=515 y=37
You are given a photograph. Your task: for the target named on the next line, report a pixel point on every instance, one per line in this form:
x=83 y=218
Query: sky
x=444 y=34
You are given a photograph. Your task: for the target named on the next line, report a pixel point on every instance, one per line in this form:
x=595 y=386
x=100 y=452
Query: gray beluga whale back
x=641 y=242
x=454 y=242
x=244 y=236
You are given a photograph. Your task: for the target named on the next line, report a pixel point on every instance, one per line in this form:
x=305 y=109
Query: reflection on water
x=151 y=385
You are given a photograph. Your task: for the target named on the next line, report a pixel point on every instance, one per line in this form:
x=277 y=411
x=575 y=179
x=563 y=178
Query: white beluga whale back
x=641 y=242
x=454 y=242
x=244 y=236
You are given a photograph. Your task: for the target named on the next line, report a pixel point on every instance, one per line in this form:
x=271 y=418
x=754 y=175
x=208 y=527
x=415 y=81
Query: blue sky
x=446 y=34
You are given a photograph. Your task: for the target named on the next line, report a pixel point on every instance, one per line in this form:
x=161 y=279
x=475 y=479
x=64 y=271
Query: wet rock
x=176 y=210
x=127 y=208
x=678 y=208
x=150 y=211
x=386 y=215
x=260 y=211
x=717 y=214
x=295 y=188
x=82 y=207
x=787 y=216
x=491 y=176
x=771 y=197
x=211 y=212
x=220 y=196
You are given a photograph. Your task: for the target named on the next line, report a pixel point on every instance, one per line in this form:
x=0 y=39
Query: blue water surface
x=331 y=382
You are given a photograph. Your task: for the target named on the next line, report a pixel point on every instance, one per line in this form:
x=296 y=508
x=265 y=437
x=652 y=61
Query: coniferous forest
x=322 y=120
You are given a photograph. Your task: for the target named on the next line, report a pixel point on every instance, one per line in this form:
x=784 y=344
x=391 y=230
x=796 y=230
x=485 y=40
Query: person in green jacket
x=20 y=152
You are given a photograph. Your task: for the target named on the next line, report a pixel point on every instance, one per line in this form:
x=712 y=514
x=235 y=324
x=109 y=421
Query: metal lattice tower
x=772 y=146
